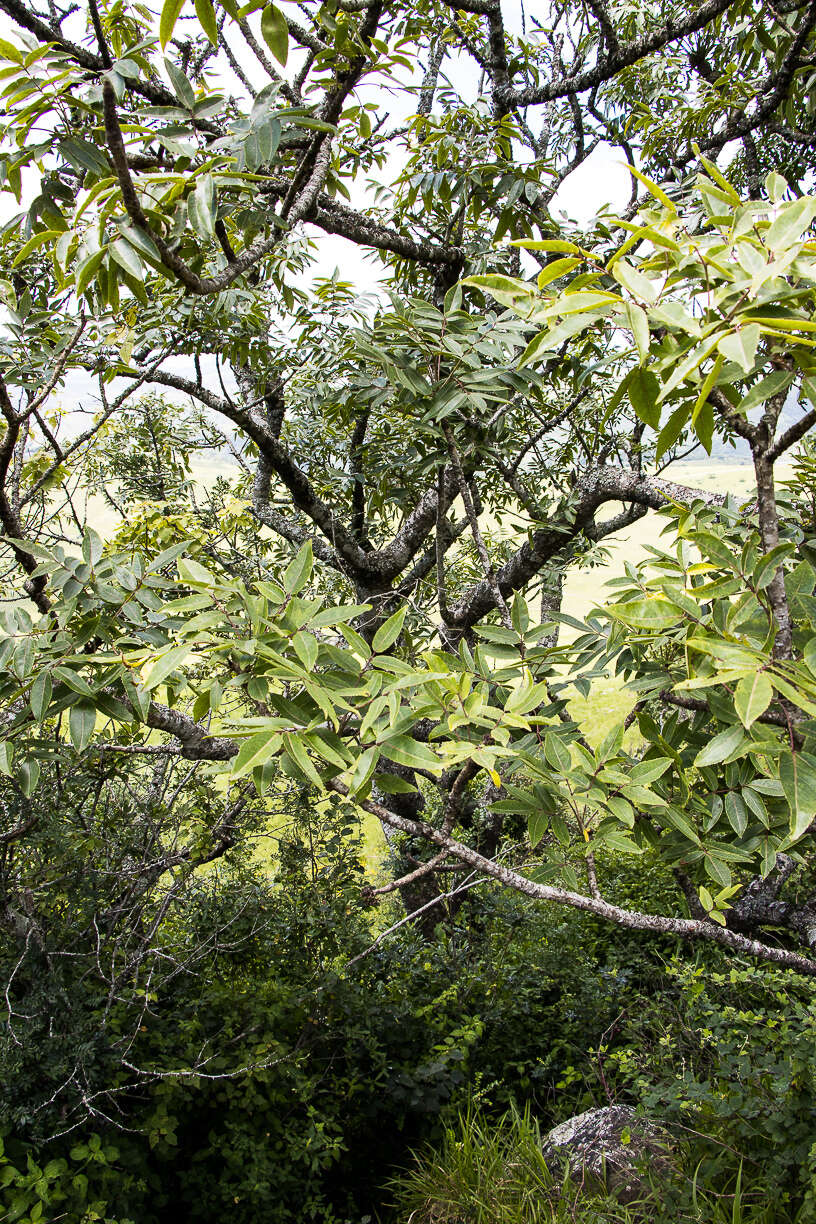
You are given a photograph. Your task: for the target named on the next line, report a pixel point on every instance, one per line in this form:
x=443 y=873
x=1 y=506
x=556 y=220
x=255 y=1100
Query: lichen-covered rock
x=612 y=1149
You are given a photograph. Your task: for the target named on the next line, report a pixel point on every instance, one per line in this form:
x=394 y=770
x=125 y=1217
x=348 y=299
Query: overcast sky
x=602 y=179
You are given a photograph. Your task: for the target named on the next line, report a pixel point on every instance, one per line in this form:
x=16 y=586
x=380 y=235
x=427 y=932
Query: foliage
x=492 y=1170
x=733 y=1065
x=204 y=706
x=73 y=1188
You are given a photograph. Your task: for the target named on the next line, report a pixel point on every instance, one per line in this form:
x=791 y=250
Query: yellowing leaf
x=167 y=21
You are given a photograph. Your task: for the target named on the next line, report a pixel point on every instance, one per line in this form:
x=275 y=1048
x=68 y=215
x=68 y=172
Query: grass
x=492 y=1171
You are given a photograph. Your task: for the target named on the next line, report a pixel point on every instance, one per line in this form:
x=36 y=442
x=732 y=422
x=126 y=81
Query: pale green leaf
x=646 y=613
x=256 y=750
x=164 y=665
x=752 y=697
x=797 y=773
x=740 y=346
x=790 y=223
x=297 y=753
x=721 y=747
x=6 y=757
x=299 y=570
x=408 y=752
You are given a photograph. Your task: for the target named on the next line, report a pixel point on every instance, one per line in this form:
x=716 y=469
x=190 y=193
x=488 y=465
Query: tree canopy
x=370 y=606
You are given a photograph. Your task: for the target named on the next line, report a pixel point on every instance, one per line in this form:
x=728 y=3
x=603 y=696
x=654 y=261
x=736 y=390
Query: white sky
x=602 y=179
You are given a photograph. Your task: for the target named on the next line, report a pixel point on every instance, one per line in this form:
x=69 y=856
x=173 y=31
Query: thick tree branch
x=690 y=929
x=592 y=489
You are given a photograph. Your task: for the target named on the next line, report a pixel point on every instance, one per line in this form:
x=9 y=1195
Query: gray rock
x=611 y=1149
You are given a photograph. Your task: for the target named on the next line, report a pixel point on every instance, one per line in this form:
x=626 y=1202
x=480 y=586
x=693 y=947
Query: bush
x=729 y=1058
x=273 y=1085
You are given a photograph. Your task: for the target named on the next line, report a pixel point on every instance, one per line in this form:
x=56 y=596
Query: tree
x=349 y=613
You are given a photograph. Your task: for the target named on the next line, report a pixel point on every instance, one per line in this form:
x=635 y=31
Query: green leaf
x=643 y=389
x=736 y=813
x=639 y=326
x=256 y=750
x=164 y=665
x=364 y=767
x=797 y=773
x=752 y=697
x=275 y=33
x=40 y=696
x=694 y=358
x=33 y=244
x=703 y=422
x=790 y=223
x=81 y=724
x=708 y=383
x=297 y=753
x=201 y=207
x=181 y=85
x=389 y=631
x=556 y=245
x=194 y=574
x=672 y=430
x=337 y=615
x=656 y=191
x=537 y=826
x=299 y=570
x=741 y=346
x=127 y=258
x=638 y=285
x=769 y=562
x=679 y=821
x=75 y=682
x=770 y=385
x=507 y=290
x=305 y=648
x=390 y=784
x=409 y=752
x=722 y=746
x=6 y=757
x=557 y=752
x=86 y=271
x=167 y=21
x=647 y=771
x=646 y=613
x=555 y=269
x=29 y=776
x=206 y=16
